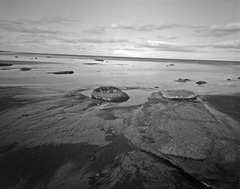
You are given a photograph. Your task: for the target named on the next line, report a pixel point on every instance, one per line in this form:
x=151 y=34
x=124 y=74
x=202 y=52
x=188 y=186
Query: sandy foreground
x=53 y=135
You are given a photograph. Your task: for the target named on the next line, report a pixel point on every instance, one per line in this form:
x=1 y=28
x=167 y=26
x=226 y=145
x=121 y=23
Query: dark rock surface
x=70 y=141
x=62 y=72
x=201 y=82
x=25 y=69
x=110 y=94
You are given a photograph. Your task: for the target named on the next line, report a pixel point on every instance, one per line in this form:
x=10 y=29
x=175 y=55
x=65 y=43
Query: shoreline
x=49 y=55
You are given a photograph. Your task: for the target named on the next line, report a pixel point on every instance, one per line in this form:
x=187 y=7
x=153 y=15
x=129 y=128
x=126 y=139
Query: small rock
x=110 y=94
x=228 y=79
x=93 y=158
x=35 y=57
x=62 y=72
x=156 y=87
x=238 y=77
x=182 y=80
x=99 y=60
x=16 y=56
x=3 y=64
x=25 y=69
x=179 y=94
x=97 y=174
x=201 y=82
x=91 y=64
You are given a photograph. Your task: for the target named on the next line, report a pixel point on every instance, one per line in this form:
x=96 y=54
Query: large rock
x=110 y=94
x=179 y=94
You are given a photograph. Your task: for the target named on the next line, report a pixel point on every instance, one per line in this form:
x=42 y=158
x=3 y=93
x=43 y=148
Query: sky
x=185 y=29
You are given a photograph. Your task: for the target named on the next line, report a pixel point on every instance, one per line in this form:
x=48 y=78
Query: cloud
x=18 y=27
x=94 y=40
x=165 y=46
x=231 y=44
x=132 y=27
x=34 y=26
x=146 y=27
x=217 y=30
x=40 y=21
x=96 y=30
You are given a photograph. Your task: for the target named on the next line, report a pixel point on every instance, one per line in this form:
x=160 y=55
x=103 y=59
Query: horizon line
x=121 y=57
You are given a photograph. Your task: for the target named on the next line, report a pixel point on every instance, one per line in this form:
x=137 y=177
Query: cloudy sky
x=195 y=29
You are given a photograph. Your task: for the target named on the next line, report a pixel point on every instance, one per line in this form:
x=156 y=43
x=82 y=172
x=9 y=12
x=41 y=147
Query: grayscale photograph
x=120 y=94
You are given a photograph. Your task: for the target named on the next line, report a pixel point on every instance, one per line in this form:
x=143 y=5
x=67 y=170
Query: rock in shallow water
x=110 y=94
x=179 y=94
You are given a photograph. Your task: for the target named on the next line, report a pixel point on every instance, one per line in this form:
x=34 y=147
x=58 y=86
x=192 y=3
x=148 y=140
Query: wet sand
x=53 y=135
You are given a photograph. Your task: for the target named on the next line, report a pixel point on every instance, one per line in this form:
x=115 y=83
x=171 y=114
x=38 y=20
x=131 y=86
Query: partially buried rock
x=179 y=94
x=110 y=94
x=25 y=69
x=182 y=80
x=62 y=72
x=201 y=82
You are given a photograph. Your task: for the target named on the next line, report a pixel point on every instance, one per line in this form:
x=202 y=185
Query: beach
x=54 y=135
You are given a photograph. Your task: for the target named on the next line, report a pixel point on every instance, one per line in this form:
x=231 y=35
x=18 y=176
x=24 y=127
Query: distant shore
x=50 y=55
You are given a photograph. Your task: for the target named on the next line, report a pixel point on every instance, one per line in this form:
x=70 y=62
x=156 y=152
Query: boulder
x=201 y=82
x=25 y=69
x=178 y=94
x=110 y=94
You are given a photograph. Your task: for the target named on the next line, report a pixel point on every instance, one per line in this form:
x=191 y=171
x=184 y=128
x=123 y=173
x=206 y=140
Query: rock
x=99 y=60
x=35 y=57
x=156 y=87
x=5 y=64
x=201 y=82
x=228 y=79
x=16 y=56
x=25 y=69
x=178 y=94
x=91 y=64
x=62 y=72
x=110 y=94
x=238 y=77
x=182 y=80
